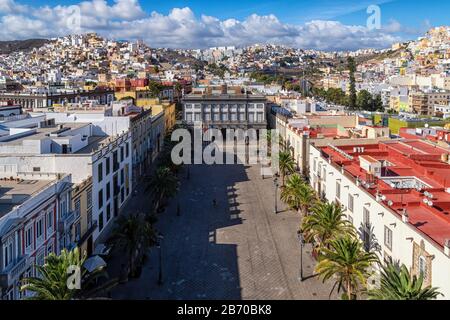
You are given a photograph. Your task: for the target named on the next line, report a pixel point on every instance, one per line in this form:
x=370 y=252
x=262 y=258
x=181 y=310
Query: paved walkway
x=237 y=250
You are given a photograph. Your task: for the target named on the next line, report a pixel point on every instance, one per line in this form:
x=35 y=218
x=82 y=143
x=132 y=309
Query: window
x=36 y=169
x=260 y=117
x=78 y=232
x=122 y=195
x=7 y=253
x=39 y=230
x=350 y=203
x=100 y=172
x=100 y=199
x=50 y=220
x=122 y=176
x=28 y=237
x=77 y=207
x=89 y=198
x=423 y=267
x=108 y=212
x=121 y=154
x=127 y=150
x=63 y=208
x=108 y=165
x=338 y=190
x=108 y=191
x=366 y=217
x=100 y=221
x=315 y=165
x=388 y=238
x=49 y=249
x=89 y=217
x=224 y=116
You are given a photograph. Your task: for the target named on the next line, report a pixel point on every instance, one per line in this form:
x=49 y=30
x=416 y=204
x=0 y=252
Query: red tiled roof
x=412 y=158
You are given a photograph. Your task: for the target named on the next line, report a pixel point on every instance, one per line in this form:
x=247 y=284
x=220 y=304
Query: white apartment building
x=398 y=203
x=39 y=146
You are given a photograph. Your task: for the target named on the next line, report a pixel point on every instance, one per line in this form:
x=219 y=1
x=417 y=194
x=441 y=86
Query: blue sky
x=279 y=20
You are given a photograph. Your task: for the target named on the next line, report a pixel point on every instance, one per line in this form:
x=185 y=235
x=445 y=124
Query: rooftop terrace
x=16 y=192
x=413 y=175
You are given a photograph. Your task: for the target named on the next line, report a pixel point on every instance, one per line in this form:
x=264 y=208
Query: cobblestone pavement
x=238 y=249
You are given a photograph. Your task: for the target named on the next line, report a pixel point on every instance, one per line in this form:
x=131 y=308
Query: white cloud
x=125 y=19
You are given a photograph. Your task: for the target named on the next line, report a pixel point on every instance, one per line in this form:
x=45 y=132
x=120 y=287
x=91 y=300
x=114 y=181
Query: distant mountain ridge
x=7 y=47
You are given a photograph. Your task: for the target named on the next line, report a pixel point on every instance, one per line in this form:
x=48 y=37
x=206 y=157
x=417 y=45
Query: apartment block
x=397 y=195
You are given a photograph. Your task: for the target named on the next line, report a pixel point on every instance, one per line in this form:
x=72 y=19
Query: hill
x=7 y=47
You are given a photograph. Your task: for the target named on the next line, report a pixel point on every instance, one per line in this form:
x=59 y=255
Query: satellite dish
x=390 y=203
x=430 y=203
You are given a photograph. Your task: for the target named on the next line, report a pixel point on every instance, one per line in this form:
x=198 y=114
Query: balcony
x=13 y=272
x=66 y=222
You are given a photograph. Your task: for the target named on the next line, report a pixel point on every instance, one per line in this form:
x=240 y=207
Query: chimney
x=447 y=247
x=405 y=216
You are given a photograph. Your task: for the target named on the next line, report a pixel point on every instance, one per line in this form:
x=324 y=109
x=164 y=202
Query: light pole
x=275 y=182
x=302 y=244
x=160 y=276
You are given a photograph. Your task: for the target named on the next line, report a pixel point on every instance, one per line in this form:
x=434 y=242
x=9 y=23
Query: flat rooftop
x=15 y=193
x=41 y=133
x=411 y=171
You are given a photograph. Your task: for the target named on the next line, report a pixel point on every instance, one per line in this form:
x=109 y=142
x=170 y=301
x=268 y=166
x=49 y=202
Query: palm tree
x=286 y=164
x=347 y=263
x=307 y=198
x=398 y=284
x=51 y=284
x=163 y=184
x=134 y=234
x=290 y=192
x=325 y=223
x=128 y=236
x=297 y=194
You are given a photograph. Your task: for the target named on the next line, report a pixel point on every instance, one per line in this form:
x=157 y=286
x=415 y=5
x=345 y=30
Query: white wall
x=380 y=216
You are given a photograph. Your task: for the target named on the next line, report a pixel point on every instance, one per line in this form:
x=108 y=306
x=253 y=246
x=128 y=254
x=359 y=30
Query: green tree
x=164 y=184
x=286 y=164
x=346 y=263
x=290 y=192
x=352 y=69
x=155 y=88
x=53 y=276
x=397 y=284
x=134 y=234
x=364 y=100
x=307 y=198
x=325 y=223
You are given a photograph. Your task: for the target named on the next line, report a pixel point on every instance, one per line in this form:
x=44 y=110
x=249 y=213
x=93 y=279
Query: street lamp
x=275 y=182
x=302 y=244
x=160 y=276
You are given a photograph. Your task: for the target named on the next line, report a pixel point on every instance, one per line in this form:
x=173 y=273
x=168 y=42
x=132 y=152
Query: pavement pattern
x=235 y=249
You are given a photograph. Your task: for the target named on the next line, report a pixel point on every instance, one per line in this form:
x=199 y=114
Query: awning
x=101 y=250
x=94 y=263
